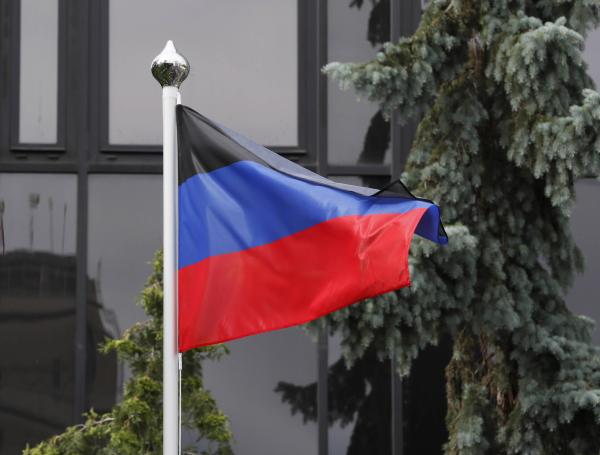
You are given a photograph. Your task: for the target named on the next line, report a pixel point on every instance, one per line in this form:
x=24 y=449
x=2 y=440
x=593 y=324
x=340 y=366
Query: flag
x=265 y=244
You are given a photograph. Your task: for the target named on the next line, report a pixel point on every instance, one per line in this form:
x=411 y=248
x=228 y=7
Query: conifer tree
x=509 y=121
x=134 y=426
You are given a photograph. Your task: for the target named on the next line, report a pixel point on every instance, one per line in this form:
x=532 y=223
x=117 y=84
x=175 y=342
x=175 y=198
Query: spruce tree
x=134 y=426
x=509 y=121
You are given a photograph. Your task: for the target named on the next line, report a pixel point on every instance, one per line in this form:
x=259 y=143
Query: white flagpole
x=170 y=69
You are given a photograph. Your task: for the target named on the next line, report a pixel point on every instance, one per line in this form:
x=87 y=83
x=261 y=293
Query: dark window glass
x=124 y=231
x=585 y=222
x=424 y=396
x=357 y=132
x=359 y=403
x=37 y=306
x=266 y=386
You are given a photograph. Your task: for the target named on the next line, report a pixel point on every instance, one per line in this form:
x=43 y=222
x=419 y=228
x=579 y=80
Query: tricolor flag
x=265 y=244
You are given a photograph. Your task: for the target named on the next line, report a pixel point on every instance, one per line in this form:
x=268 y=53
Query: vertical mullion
x=319 y=16
x=7 y=21
x=61 y=69
x=98 y=31
x=14 y=70
x=305 y=128
x=404 y=19
x=395 y=7
x=322 y=389
x=396 y=420
x=101 y=60
x=321 y=117
x=76 y=141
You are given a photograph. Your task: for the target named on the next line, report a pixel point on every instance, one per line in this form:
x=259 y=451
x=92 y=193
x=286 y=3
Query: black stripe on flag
x=203 y=147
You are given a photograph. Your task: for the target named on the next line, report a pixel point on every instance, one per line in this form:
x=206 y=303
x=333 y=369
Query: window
x=120 y=251
x=244 y=66
x=89 y=216
x=357 y=132
x=38 y=81
x=585 y=229
x=38 y=295
x=249 y=385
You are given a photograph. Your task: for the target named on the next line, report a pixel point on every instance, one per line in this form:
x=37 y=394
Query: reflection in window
x=247 y=386
x=424 y=393
x=244 y=65
x=103 y=373
x=38 y=84
x=124 y=231
x=39 y=212
x=359 y=403
x=357 y=132
x=37 y=307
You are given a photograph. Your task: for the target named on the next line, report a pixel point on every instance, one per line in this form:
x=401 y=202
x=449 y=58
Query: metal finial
x=170 y=68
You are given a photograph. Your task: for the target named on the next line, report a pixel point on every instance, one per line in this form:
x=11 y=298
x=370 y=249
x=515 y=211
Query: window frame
x=82 y=139
x=21 y=150
x=108 y=153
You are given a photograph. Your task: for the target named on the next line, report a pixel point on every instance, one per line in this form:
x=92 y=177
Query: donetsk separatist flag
x=266 y=244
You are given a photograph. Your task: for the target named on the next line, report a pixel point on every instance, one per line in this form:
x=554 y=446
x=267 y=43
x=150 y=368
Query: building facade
x=80 y=207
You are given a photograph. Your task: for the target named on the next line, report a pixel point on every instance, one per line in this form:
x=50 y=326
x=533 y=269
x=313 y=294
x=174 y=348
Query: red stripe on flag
x=295 y=279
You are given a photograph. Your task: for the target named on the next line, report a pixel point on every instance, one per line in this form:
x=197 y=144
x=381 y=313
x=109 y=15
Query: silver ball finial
x=170 y=68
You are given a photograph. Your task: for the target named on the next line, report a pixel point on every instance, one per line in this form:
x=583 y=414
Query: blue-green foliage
x=510 y=120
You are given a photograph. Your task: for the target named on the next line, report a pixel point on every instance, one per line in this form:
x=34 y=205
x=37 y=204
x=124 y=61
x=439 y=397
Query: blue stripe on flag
x=246 y=204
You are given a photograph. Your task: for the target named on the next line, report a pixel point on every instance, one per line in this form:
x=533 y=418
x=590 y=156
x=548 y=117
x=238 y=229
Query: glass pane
x=125 y=229
x=592 y=54
x=357 y=133
x=244 y=64
x=37 y=289
x=424 y=394
x=39 y=212
x=250 y=385
x=38 y=83
x=340 y=432
x=585 y=222
x=359 y=403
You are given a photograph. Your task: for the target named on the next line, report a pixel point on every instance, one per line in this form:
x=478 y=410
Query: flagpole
x=170 y=69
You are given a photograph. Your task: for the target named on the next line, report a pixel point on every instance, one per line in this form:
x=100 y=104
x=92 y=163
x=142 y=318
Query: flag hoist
x=170 y=69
